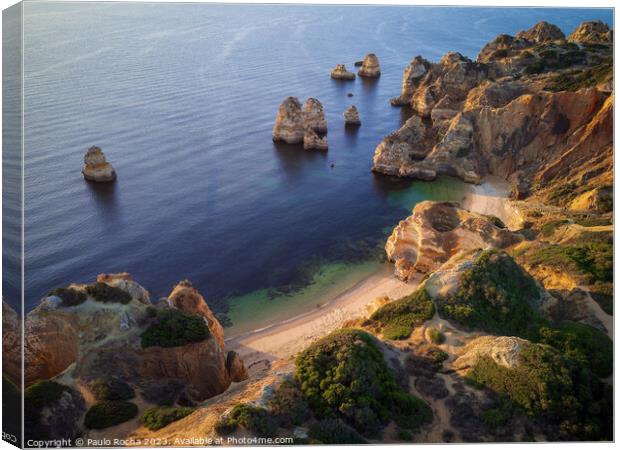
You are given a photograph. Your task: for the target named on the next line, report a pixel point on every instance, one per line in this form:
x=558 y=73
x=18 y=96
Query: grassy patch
x=158 y=417
x=173 y=328
x=104 y=293
x=345 y=376
x=548 y=228
x=593 y=259
x=398 y=318
x=288 y=405
x=603 y=294
x=436 y=336
x=109 y=413
x=69 y=296
x=494 y=295
x=578 y=79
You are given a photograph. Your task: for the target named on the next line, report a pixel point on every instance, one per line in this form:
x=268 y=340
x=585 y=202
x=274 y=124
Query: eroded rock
x=340 y=72
x=370 y=67
x=351 y=116
x=96 y=168
x=289 y=126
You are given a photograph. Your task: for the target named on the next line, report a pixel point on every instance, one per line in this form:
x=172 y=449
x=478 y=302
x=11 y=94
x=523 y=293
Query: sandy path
x=286 y=339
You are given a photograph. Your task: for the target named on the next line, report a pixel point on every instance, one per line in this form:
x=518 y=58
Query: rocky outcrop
x=541 y=32
x=503 y=350
x=370 y=67
x=289 y=126
x=593 y=32
x=599 y=200
x=314 y=116
x=58 y=419
x=352 y=116
x=533 y=109
x=437 y=231
x=414 y=72
x=186 y=297
x=340 y=72
x=312 y=141
x=101 y=336
x=96 y=168
x=11 y=344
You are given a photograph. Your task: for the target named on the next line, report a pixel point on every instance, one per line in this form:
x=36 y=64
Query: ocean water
x=182 y=99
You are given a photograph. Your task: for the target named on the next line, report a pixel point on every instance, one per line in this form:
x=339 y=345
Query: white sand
x=286 y=339
x=491 y=197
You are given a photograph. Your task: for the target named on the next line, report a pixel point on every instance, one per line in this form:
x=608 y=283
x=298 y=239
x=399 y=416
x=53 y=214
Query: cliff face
x=94 y=331
x=532 y=107
x=435 y=232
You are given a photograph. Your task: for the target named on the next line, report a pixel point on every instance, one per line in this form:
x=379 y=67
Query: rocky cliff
x=530 y=109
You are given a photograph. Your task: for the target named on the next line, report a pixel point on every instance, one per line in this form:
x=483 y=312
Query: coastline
x=286 y=338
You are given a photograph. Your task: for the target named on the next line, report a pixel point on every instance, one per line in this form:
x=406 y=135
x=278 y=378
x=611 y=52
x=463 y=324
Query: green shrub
x=494 y=418
x=436 y=336
x=110 y=388
x=345 y=376
x=109 y=413
x=536 y=67
x=593 y=221
x=43 y=393
x=104 y=293
x=334 y=431
x=546 y=385
x=173 y=328
x=398 y=318
x=581 y=343
x=548 y=228
x=494 y=295
x=252 y=418
x=404 y=435
x=578 y=79
x=69 y=296
x=288 y=405
x=500 y=53
x=495 y=221
x=593 y=259
x=603 y=294
x=158 y=417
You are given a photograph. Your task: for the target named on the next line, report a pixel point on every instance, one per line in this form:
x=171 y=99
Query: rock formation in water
x=312 y=141
x=99 y=330
x=351 y=116
x=96 y=168
x=340 y=72
x=314 y=116
x=593 y=32
x=437 y=231
x=520 y=112
x=289 y=126
x=370 y=67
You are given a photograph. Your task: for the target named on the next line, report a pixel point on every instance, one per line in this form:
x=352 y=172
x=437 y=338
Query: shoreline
x=286 y=338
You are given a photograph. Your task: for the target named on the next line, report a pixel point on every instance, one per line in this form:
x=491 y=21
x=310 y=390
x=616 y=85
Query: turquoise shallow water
x=182 y=99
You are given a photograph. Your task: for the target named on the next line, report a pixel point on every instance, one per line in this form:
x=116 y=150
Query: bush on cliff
x=345 y=376
x=69 y=296
x=593 y=259
x=288 y=405
x=553 y=388
x=109 y=388
x=104 y=293
x=109 y=413
x=253 y=418
x=398 y=318
x=334 y=431
x=158 y=417
x=494 y=295
x=173 y=328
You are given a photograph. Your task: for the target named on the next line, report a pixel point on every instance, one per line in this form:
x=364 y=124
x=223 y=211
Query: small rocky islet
x=96 y=167
x=507 y=336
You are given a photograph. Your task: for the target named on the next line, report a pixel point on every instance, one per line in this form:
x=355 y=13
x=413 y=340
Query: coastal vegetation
x=158 y=417
x=255 y=419
x=105 y=293
x=397 y=319
x=108 y=413
x=69 y=296
x=334 y=431
x=110 y=388
x=345 y=376
x=171 y=327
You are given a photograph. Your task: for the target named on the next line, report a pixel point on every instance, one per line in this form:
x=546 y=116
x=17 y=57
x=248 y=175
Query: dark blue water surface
x=182 y=99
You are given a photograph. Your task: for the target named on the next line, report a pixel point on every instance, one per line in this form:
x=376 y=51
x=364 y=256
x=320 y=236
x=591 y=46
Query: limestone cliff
x=289 y=125
x=437 y=231
x=96 y=167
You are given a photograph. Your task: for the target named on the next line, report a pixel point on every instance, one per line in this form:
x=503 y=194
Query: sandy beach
x=287 y=338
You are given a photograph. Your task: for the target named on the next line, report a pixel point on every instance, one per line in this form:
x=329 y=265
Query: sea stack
x=340 y=72
x=370 y=67
x=96 y=168
x=314 y=116
x=289 y=126
x=414 y=72
x=352 y=116
x=312 y=141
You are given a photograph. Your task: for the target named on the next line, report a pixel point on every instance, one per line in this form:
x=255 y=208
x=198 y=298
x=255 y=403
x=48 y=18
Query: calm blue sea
x=182 y=99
